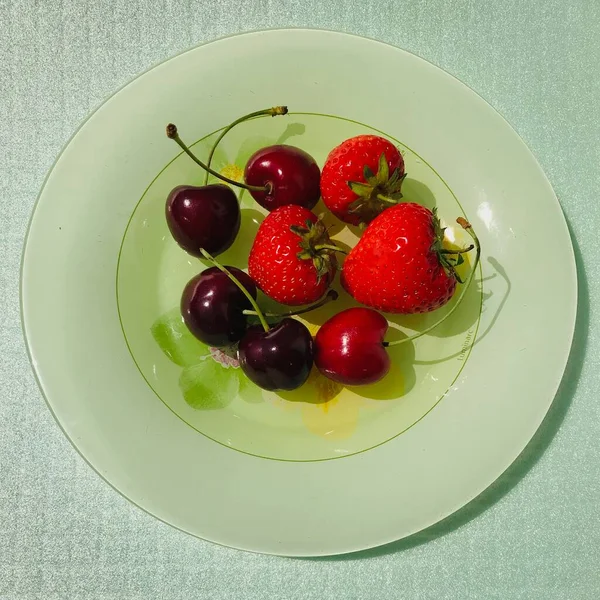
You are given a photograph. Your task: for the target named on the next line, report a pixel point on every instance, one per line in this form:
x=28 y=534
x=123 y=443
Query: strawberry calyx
x=379 y=190
x=316 y=246
x=449 y=259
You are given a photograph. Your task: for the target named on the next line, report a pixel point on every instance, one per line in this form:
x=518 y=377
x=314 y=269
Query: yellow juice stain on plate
x=317 y=391
x=233 y=172
x=331 y=410
x=338 y=421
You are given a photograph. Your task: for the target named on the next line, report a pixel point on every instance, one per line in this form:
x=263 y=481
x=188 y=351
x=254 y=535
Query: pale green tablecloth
x=64 y=533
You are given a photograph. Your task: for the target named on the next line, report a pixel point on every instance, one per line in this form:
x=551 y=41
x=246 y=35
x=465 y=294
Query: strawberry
x=361 y=177
x=292 y=259
x=400 y=265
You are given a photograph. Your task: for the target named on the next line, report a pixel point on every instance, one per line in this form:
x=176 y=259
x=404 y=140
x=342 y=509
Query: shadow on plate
x=457 y=325
x=528 y=457
x=237 y=254
x=292 y=130
x=416 y=191
x=402 y=369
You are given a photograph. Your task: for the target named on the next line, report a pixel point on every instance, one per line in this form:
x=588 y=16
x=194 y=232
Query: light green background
x=535 y=534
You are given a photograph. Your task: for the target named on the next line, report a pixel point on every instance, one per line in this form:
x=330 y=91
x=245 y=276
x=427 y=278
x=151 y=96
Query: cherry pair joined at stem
x=274 y=358
x=208 y=216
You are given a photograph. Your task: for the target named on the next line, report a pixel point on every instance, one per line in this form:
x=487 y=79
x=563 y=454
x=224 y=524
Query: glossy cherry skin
x=280 y=359
x=203 y=217
x=349 y=347
x=291 y=174
x=212 y=306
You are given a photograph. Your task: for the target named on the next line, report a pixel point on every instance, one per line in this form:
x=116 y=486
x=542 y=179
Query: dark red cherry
x=278 y=359
x=203 y=217
x=212 y=306
x=290 y=175
x=349 y=347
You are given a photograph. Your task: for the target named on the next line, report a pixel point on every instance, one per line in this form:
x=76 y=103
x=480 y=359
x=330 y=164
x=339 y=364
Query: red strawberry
x=399 y=265
x=361 y=177
x=292 y=260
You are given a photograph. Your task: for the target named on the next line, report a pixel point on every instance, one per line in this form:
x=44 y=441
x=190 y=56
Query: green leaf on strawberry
x=362 y=177
x=383 y=172
x=378 y=192
x=292 y=258
x=316 y=245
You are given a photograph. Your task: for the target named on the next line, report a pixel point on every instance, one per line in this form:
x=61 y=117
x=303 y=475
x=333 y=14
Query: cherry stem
x=172 y=133
x=469 y=229
x=273 y=112
x=330 y=297
x=235 y=280
x=329 y=247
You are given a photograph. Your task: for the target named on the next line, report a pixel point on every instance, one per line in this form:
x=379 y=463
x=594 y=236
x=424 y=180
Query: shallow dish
x=172 y=424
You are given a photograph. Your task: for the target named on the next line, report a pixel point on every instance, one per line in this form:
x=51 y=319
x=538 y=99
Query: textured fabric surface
x=64 y=533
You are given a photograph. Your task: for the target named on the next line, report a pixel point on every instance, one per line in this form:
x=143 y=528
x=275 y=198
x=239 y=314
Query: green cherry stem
x=273 y=112
x=330 y=297
x=469 y=229
x=172 y=134
x=235 y=280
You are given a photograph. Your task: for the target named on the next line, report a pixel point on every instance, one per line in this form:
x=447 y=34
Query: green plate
x=172 y=424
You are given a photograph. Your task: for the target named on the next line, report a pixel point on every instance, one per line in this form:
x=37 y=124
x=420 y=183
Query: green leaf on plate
x=175 y=340
x=208 y=385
